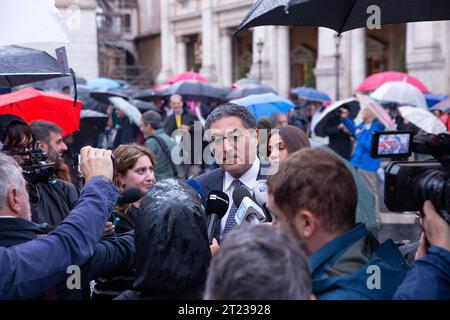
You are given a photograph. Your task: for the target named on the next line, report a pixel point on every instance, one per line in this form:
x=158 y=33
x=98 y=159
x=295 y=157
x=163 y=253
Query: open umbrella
x=103 y=95
x=351 y=103
x=144 y=106
x=400 y=92
x=342 y=15
x=434 y=98
x=196 y=91
x=151 y=94
x=186 y=76
x=375 y=80
x=423 y=119
x=444 y=105
x=58 y=83
x=130 y=111
x=247 y=90
x=265 y=105
x=19 y=65
x=382 y=115
x=103 y=83
x=311 y=94
x=31 y=104
x=243 y=82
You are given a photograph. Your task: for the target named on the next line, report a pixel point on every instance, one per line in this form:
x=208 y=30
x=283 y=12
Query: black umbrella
x=342 y=15
x=247 y=90
x=145 y=106
x=19 y=65
x=333 y=111
x=150 y=95
x=57 y=83
x=103 y=95
x=196 y=90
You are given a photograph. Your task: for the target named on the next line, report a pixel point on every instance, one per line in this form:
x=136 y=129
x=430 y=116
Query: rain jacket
x=172 y=249
x=343 y=269
x=30 y=267
x=428 y=279
x=361 y=157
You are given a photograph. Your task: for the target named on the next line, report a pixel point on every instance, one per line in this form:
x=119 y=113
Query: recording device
x=260 y=193
x=408 y=184
x=34 y=168
x=248 y=210
x=392 y=144
x=129 y=195
x=216 y=207
x=76 y=157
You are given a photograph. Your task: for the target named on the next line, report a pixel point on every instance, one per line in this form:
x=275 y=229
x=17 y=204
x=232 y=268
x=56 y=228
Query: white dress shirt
x=248 y=179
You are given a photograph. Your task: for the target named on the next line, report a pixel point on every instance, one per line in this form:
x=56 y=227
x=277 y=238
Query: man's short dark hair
x=258 y=262
x=231 y=110
x=42 y=130
x=315 y=180
x=152 y=118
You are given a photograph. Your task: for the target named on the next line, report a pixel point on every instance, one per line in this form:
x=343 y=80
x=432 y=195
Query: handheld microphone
x=129 y=195
x=216 y=206
x=260 y=193
x=247 y=210
x=196 y=186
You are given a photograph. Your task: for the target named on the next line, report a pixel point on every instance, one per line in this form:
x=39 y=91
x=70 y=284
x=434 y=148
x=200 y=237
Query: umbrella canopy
x=444 y=105
x=244 y=82
x=196 y=90
x=103 y=83
x=342 y=15
x=102 y=96
x=31 y=104
x=423 y=119
x=265 y=105
x=332 y=111
x=57 y=83
x=144 y=106
x=311 y=94
x=130 y=111
x=19 y=65
x=400 y=92
x=247 y=90
x=434 y=98
x=382 y=115
x=187 y=76
x=374 y=81
x=19 y=18
x=150 y=94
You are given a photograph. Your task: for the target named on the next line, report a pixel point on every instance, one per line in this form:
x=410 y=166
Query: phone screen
x=391 y=144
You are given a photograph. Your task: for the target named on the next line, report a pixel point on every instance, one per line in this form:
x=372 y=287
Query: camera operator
x=51 y=199
x=429 y=277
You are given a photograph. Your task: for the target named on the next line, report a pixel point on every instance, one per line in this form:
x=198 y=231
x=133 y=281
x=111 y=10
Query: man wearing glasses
x=233 y=136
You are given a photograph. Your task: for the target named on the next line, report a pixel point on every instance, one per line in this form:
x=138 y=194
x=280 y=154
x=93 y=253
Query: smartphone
x=391 y=144
x=77 y=165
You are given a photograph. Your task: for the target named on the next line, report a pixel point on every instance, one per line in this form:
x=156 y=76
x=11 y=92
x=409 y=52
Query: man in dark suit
x=183 y=119
x=233 y=135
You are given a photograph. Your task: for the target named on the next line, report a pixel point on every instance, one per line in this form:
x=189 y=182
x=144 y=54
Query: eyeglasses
x=235 y=137
x=20 y=148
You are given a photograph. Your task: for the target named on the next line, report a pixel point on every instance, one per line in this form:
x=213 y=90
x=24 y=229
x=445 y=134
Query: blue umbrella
x=103 y=83
x=433 y=98
x=311 y=94
x=265 y=105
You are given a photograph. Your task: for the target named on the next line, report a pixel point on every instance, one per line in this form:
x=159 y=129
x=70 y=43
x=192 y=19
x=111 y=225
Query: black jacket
x=339 y=141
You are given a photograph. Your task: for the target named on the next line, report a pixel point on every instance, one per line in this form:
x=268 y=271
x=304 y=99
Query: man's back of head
x=258 y=262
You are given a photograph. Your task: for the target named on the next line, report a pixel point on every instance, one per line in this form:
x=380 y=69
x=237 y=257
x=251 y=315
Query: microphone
x=196 y=186
x=247 y=210
x=129 y=195
x=216 y=206
x=260 y=191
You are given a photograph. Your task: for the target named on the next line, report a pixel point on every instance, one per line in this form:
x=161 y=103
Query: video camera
x=408 y=184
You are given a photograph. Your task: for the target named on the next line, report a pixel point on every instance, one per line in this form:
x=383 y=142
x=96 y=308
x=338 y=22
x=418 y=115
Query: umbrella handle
x=74 y=79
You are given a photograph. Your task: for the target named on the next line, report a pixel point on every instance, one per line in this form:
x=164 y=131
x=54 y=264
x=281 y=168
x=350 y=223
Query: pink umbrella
x=382 y=115
x=187 y=76
x=374 y=81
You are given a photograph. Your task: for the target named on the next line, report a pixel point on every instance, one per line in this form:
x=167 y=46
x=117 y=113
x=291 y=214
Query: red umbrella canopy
x=377 y=79
x=187 y=76
x=31 y=104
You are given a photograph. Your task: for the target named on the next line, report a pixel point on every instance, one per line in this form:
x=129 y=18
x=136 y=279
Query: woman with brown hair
x=285 y=140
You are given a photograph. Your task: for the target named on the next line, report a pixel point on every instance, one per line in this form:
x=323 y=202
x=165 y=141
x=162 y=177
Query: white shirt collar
x=248 y=179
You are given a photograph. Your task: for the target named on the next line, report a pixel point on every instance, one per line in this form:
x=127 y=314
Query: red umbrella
x=31 y=104
x=187 y=76
x=377 y=79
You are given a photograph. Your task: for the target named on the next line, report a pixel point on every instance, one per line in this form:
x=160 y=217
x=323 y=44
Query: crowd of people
x=318 y=244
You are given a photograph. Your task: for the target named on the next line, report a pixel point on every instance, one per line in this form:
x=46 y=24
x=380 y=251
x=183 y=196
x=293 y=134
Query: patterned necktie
x=231 y=221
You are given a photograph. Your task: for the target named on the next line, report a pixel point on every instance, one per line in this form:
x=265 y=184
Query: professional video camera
x=408 y=184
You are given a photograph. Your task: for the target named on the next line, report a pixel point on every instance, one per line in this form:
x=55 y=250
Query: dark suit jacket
x=213 y=180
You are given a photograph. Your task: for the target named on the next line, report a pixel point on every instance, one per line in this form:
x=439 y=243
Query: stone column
x=181 y=54
x=283 y=59
x=261 y=34
x=227 y=58
x=208 y=69
x=358 y=57
x=166 y=70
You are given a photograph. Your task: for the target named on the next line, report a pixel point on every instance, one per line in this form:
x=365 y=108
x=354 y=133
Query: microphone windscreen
x=239 y=194
x=129 y=195
x=260 y=192
x=217 y=203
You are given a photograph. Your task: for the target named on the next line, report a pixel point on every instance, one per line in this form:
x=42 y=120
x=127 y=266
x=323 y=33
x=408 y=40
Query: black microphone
x=248 y=210
x=217 y=204
x=129 y=195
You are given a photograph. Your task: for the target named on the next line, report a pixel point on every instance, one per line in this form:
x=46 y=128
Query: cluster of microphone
x=251 y=208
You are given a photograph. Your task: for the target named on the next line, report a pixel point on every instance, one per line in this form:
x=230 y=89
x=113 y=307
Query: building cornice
x=82 y=4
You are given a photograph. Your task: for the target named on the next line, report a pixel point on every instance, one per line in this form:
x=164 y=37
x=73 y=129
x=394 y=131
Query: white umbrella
x=423 y=119
x=32 y=23
x=130 y=111
x=400 y=92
